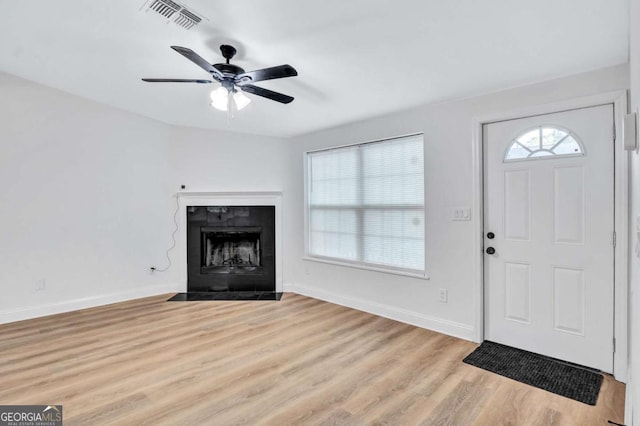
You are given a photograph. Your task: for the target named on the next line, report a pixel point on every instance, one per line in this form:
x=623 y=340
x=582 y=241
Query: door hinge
x=614 y=238
x=614 y=344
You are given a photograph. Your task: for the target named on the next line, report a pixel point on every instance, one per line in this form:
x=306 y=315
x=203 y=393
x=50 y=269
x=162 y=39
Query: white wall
x=206 y=160
x=634 y=216
x=88 y=196
x=83 y=203
x=216 y=161
x=447 y=131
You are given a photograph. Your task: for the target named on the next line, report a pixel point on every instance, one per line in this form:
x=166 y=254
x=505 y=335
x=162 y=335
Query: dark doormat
x=225 y=295
x=560 y=377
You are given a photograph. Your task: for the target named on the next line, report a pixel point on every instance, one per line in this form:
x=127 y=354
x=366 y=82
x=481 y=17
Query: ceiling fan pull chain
x=231 y=106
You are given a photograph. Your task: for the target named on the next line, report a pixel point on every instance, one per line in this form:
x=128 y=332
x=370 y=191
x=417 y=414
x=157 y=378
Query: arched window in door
x=544 y=142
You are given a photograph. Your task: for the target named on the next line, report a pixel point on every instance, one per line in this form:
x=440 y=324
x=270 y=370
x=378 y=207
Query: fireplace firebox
x=230 y=248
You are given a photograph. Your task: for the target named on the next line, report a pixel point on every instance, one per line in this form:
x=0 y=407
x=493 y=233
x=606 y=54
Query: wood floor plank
x=296 y=361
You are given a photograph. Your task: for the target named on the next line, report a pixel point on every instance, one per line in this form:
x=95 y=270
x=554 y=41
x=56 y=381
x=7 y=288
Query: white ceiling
x=355 y=59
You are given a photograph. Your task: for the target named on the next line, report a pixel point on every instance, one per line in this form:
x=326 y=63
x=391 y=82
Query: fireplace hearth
x=231 y=249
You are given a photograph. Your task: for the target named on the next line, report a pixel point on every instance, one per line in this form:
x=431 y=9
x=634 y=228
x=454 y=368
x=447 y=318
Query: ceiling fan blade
x=281 y=71
x=175 y=80
x=265 y=93
x=197 y=59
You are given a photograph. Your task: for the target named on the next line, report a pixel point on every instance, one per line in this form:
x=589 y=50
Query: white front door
x=548 y=234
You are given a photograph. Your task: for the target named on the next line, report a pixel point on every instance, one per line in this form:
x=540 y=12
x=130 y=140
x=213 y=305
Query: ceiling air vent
x=165 y=8
x=187 y=19
x=175 y=12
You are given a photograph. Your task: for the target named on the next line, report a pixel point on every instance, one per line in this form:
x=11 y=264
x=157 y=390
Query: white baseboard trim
x=451 y=328
x=30 y=312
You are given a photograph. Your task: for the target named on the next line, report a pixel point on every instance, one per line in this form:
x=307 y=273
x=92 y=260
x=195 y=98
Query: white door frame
x=621 y=211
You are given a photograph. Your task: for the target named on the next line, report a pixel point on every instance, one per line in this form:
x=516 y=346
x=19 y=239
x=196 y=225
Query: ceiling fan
x=231 y=77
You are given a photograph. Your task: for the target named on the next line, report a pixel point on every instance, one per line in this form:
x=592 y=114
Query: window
x=366 y=204
x=543 y=141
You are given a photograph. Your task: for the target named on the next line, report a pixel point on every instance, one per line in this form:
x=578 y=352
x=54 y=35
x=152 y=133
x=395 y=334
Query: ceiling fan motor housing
x=230 y=69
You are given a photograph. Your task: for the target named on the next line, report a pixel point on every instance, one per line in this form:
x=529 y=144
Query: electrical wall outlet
x=444 y=295
x=41 y=285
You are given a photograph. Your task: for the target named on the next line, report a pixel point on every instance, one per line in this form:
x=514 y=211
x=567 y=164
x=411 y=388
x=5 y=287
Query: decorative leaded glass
x=543 y=142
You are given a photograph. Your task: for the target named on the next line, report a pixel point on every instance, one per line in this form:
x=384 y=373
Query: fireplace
x=230 y=248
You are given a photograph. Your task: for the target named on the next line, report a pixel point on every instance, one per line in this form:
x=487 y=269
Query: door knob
x=491 y=250
x=491 y=235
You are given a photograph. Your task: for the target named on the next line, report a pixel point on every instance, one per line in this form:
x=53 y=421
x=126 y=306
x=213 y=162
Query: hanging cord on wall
x=173 y=238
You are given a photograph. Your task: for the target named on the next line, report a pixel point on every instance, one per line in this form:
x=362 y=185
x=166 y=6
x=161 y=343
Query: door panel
x=517 y=205
x=568 y=300
x=517 y=289
x=568 y=205
x=549 y=202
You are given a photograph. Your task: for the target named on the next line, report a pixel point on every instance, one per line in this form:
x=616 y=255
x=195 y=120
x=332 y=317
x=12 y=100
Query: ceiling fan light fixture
x=241 y=100
x=219 y=98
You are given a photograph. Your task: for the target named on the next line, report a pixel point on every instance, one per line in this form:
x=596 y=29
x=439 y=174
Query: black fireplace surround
x=231 y=249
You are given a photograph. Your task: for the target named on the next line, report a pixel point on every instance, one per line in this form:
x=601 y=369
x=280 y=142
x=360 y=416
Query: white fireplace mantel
x=258 y=198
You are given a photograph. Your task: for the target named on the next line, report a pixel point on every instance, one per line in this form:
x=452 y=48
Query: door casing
x=621 y=211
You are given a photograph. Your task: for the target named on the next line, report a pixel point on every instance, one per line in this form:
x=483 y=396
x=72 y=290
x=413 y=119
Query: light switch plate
x=461 y=213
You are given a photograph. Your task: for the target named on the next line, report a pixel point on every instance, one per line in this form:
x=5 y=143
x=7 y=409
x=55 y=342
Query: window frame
x=388 y=269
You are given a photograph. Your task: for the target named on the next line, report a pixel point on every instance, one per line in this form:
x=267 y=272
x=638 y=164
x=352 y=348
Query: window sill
x=418 y=275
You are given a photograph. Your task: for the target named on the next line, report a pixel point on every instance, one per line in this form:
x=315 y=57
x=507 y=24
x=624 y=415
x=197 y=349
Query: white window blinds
x=366 y=204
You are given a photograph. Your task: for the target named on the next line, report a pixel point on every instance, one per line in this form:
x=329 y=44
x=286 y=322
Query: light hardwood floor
x=297 y=361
